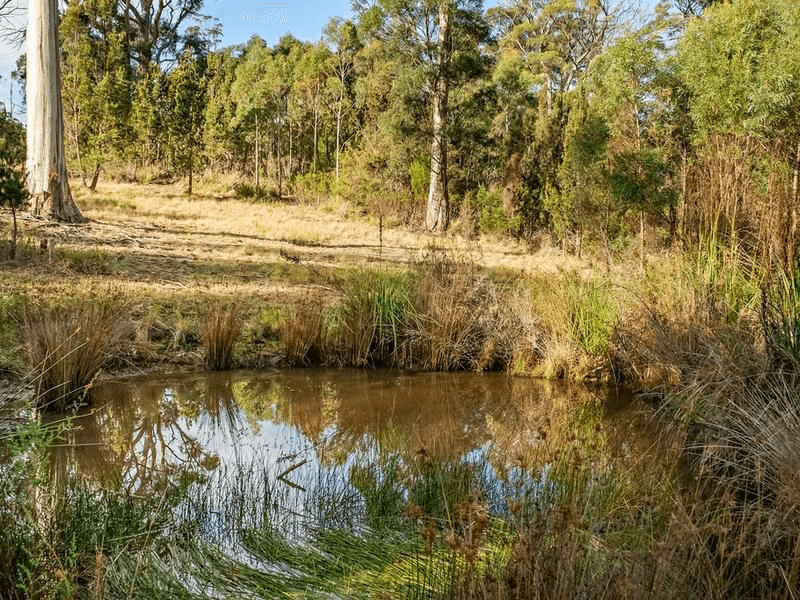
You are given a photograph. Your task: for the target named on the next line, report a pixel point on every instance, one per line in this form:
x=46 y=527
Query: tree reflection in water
x=255 y=467
x=233 y=434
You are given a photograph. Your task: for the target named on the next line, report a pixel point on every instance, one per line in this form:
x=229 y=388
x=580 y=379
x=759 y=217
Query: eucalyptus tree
x=251 y=114
x=545 y=48
x=46 y=162
x=224 y=145
x=261 y=87
x=307 y=96
x=187 y=103
x=619 y=153
x=427 y=33
x=97 y=84
x=342 y=38
x=153 y=28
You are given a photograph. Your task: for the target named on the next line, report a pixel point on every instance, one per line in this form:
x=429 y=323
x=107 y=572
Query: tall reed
x=222 y=330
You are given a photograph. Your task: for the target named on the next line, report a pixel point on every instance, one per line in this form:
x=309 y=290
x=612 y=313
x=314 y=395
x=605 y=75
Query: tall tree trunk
x=436 y=214
x=795 y=217
x=291 y=157
x=191 y=172
x=338 y=134
x=258 y=156
x=316 y=125
x=279 y=170
x=13 y=251
x=95 y=177
x=46 y=163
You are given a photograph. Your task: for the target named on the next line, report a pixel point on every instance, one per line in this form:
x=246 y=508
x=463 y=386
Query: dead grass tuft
x=69 y=343
x=222 y=330
x=302 y=333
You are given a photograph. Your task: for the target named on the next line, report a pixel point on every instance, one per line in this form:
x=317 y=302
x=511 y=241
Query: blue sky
x=304 y=19
x=240 y=20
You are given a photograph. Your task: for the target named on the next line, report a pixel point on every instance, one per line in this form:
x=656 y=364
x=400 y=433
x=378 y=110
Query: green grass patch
x=88 y=262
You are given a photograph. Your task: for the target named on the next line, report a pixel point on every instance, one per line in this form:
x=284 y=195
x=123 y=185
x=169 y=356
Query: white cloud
x=264 y=14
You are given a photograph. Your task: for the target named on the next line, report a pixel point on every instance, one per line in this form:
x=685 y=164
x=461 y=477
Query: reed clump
x=302 y=333
x=440 y=316
x=222 y=330
x=370 y=322
x=456 y=316
x=69 y=343
x=695 y=319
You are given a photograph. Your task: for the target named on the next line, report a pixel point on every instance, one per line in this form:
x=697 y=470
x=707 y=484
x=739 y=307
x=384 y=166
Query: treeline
x=581 y=117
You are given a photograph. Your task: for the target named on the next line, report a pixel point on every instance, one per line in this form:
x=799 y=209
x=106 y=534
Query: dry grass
x=302 y=333
x=68 y=344
x=441 y=316
x=222 y=330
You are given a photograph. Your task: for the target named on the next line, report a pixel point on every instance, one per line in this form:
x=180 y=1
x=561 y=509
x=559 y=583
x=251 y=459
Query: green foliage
x=492 y=217
x=579 y=118
x=726 y=281
x=13 y=192
x=374 y=309
x=419 y=172
x=582 y=196
x=12 y=355
x=96 y=84
x=88 y=262
x=187 y=101
x=13 y=189
x=312 y=187
x=383 y=493
x=780 y=317
x=594 y=314
x=740 y=63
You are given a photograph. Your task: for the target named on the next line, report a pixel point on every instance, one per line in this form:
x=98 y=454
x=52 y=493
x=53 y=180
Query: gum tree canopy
x=46 y=165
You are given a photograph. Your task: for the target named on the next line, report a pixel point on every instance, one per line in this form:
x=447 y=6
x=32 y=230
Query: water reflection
x=147 y=433
x=282 y=437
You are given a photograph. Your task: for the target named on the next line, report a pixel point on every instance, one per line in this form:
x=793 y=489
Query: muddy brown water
x=285 y=450
x=282 y=445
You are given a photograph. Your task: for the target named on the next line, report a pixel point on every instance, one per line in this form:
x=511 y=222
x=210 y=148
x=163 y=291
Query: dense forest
x=589 y=119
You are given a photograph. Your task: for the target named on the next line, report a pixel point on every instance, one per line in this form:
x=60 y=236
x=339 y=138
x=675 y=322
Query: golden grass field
x=155 y=237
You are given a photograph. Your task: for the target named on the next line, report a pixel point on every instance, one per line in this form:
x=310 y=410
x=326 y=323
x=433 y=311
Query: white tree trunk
x=46 y=164
x=338 y=134
x=436 y=214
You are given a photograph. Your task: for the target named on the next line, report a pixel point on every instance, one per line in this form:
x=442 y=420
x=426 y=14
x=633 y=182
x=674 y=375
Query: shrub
x=13 y=190
x=492 y=217
x=312 y=187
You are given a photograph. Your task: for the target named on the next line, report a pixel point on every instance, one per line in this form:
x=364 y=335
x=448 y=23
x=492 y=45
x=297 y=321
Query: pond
x=244 y=458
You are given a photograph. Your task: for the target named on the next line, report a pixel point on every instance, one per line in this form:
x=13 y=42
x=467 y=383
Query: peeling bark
x=46 y=162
